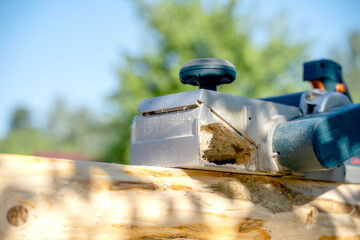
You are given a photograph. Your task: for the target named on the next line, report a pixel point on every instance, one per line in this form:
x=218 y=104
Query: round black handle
x=207 y=73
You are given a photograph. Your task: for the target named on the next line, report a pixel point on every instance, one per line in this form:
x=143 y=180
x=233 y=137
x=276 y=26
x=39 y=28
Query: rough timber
x=60 y=199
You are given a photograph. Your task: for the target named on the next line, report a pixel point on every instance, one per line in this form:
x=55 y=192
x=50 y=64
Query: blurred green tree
x=21 y=119
x=350 y=60
x=26 y=141
x=22 y=137
x=69 y=133
x=58 y=121
x=178 y=31
x=76 y=131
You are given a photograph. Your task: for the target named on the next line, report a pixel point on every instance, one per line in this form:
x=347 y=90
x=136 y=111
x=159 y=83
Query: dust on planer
x=219 y=145
x=307 y=134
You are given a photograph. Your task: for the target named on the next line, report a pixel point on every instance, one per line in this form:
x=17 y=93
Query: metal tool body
x=304 y=134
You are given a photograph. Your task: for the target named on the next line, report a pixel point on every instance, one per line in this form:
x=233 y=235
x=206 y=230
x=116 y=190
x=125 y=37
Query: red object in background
x=355 y=161
x=70 y=156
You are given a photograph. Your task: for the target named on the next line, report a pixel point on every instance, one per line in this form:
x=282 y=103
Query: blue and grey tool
x=308 y=134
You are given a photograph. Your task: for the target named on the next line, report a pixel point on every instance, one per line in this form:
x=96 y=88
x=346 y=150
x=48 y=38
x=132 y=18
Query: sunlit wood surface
x=60 y=199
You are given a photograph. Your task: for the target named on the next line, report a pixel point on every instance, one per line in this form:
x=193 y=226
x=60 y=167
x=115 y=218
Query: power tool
x=304 y=135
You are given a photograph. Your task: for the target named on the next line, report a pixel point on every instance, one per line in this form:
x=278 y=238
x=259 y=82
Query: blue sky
x=70 y=49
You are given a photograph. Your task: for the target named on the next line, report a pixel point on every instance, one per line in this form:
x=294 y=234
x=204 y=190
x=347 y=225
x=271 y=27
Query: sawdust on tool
x=219 y=145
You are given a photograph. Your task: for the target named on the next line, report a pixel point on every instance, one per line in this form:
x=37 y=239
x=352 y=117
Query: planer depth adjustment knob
x=207 y=73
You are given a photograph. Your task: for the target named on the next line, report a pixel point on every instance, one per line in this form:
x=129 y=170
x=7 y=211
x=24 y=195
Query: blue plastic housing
x=319 y=141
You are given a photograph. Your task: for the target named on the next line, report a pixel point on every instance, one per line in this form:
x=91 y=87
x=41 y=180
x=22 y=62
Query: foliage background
x=174 y=33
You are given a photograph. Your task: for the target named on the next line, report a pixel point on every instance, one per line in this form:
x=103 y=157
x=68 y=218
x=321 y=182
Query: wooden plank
x=59 y=199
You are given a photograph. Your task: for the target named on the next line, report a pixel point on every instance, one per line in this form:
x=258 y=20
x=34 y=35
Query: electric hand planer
x=307 y=134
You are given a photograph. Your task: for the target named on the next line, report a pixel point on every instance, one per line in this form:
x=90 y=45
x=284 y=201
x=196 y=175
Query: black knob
x=207 y=73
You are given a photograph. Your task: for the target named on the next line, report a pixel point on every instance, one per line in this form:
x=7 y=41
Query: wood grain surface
x=60 y=199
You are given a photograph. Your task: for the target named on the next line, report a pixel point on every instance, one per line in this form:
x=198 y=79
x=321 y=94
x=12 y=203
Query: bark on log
x=60 y=199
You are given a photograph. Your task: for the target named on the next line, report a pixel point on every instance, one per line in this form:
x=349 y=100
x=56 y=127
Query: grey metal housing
x=166 y=133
